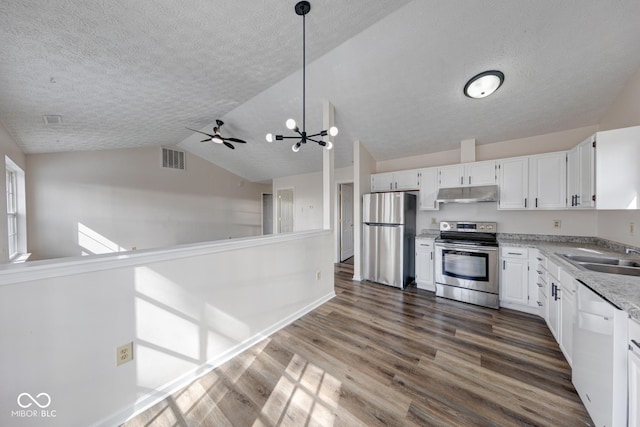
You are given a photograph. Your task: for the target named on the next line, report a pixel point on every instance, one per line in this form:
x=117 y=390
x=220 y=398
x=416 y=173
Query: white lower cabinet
x=568 y=286
x=514 y=277
x=424 y=264
x=634 y=373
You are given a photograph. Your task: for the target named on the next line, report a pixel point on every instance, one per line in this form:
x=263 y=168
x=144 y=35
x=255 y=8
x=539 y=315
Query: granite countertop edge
x=621 y=291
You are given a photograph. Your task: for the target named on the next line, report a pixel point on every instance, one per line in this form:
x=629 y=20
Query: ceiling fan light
x=329 y=145
x=333 y=131
x=269 y=137
x=217 y=139
x=484 y=84
x=296 y=147
x=291 y=124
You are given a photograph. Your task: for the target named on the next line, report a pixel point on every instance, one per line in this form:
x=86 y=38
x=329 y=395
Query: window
x=12 y=213
x=16 y=212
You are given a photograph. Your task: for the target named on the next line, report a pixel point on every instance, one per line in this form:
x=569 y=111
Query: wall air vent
x=52 y=120
x=173 y=159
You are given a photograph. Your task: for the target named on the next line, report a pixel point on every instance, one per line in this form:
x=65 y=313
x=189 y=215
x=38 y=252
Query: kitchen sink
x=614 y=269
x=601 y=260
x=625 y=267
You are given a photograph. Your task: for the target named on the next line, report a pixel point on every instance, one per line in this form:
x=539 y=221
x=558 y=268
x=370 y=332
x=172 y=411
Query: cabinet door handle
x=525 y=202
x=462 y=180
x=431 y=256
x=504 y=265
x=469 y=179
x=539 y=303
x=536 y=202
x=636 y=343
x=553 y=290
x=577 y=200
x=514 y=253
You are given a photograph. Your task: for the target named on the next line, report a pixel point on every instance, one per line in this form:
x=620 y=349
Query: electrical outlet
x=557 y=223
x=124 y=353
x=318 y=275
x=134 y=248
x=632 y=228
x=434 y=220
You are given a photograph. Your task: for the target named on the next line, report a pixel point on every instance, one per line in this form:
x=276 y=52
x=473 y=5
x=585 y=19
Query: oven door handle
x=471 y=248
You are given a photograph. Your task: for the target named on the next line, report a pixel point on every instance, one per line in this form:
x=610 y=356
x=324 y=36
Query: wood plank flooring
x=377 y=356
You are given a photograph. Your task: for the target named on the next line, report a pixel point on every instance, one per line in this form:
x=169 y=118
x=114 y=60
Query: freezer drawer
x=384 y=255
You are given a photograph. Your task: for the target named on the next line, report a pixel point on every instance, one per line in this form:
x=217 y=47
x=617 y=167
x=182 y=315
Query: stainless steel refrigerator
x=389 y=229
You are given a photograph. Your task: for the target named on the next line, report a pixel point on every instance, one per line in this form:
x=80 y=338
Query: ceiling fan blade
x=209 y=135
x=236 y=140
x=206 y=140
x=228 y=145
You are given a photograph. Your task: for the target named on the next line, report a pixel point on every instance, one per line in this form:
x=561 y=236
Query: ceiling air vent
x=172 y=159
x=52 y=120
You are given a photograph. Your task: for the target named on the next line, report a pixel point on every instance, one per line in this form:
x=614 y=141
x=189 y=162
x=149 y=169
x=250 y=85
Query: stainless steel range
x=467 y=262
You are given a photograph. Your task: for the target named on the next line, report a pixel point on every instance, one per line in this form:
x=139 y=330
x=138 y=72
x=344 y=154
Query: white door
x=285 y=211
x=346 y=221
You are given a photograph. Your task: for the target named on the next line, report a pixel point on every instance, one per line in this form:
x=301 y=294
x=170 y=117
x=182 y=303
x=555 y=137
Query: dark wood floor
x=375 y=355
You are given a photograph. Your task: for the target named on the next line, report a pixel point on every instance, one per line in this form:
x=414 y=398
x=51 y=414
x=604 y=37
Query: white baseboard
x=168 y=389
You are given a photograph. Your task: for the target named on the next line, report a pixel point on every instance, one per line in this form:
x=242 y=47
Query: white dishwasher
x=600 y=358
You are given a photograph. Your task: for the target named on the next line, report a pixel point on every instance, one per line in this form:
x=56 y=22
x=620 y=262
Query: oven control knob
x=482 y=227
x=489 y=227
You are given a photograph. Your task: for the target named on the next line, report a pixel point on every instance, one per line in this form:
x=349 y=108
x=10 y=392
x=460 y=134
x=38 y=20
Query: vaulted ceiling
x=128 y=74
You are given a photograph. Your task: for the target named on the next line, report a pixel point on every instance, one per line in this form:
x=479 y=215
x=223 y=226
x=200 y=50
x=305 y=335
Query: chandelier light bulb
x=333 y=131
x=269 y=137
x=291 y=124
x=295 y=147
x=329 y=145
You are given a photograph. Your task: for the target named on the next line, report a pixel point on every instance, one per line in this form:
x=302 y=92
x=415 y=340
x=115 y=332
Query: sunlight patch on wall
x=93 y=243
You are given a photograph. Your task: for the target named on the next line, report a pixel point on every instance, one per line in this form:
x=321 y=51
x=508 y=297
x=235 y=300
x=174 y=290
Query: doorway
x=285 y=210
x=345 y=235
x=267 y=213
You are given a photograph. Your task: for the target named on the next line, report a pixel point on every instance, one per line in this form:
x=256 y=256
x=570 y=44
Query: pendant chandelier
x=302 y=8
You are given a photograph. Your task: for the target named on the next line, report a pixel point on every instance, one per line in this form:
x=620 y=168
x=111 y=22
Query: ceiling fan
x=217 y=138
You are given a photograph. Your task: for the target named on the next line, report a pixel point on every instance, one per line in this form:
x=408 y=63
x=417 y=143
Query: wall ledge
x=59 y=267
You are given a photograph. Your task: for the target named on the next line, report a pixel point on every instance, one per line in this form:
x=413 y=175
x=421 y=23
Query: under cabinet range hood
x=483 y=193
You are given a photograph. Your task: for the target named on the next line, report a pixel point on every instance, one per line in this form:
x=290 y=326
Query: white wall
x=364 y=166
x=307 y=197
x=573 y=223
x=9 y=148
x=95 y=201
x=184 y=308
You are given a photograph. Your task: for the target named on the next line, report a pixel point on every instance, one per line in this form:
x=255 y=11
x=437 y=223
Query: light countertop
x=620 y=290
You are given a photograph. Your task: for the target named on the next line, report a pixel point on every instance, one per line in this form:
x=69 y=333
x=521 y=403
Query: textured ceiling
x=136 y=73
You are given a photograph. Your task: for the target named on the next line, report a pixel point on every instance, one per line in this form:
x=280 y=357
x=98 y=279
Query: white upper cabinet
x=468 y=174
x=382 y=182
x=428 y=189
x=407 y=180
x=513 y=178
x=395 y=181
x=617 y=171
x=581 y=175
x=451 y=176
x=548 y=181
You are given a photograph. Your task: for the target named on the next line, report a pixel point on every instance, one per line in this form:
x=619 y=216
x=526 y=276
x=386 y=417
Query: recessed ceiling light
x=484 y=84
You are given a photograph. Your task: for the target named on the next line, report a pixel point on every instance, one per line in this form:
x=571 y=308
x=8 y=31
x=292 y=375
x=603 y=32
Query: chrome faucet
x=632 y=251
